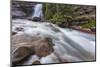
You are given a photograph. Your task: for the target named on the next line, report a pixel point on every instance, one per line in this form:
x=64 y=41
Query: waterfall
x=70 y=45
x=38 y=11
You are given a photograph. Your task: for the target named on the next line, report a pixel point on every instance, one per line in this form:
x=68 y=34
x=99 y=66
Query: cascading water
x=37 y=11
x=70 y=45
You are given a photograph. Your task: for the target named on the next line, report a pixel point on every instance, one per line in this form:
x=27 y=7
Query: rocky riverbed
x=43 y=43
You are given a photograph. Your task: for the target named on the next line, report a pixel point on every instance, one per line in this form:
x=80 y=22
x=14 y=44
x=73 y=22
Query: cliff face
x=21 y=9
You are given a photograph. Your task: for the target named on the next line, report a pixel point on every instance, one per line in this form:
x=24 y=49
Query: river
x=70 y=45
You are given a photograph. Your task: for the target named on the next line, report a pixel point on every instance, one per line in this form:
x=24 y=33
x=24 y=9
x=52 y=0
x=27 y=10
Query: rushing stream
x=70 y=45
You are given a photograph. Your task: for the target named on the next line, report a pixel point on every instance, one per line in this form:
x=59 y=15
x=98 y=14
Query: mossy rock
x=90 y=24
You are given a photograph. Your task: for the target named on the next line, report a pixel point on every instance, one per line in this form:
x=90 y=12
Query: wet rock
x=21 y=47
x=13 y=33
x=36 y=62
x=23 y=38
x=20 y=53
x=43 y=47
x=36 y=19
x=24 y=46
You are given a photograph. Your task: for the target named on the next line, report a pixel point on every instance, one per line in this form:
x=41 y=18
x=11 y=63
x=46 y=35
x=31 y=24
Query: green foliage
x=61 y=18
x=49 y=11
x=91 y=23
x=57 y=12
x=63 y=13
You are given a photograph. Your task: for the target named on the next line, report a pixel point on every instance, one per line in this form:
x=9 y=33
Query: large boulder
x=43 y=47
x=24 y=46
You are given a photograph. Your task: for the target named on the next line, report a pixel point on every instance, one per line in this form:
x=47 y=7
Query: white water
x=70 y=45
x=38 y=10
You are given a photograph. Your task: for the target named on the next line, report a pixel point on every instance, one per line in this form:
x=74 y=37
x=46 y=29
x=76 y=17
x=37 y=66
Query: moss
x=89 y=24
